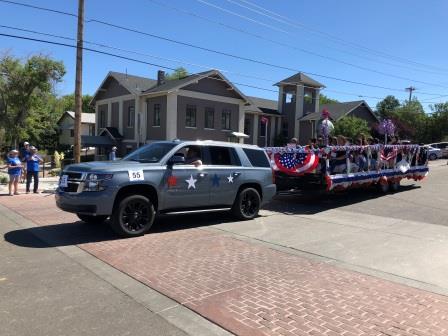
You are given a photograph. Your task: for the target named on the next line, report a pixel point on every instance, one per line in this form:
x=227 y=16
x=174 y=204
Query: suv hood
x=107 y=166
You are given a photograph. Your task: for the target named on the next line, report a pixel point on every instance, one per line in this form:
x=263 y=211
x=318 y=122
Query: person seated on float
x=333 y=141
x=320 y=142
x=193 y=156
x=293 y=144
x=361 y=155
x=338 y=163
x=390 y=153
x=373 y=153
x=312 y=144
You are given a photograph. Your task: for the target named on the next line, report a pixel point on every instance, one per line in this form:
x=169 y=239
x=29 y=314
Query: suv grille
x=74 y=181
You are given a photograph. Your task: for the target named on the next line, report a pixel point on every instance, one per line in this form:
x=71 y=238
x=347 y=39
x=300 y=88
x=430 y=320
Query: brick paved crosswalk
x=253 y=290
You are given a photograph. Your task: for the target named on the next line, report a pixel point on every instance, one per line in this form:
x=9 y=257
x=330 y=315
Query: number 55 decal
x=136 y=175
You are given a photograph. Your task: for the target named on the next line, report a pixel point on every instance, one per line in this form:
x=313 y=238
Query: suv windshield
x=151 y=153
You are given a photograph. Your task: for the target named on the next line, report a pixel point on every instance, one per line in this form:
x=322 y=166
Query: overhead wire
x=277 y=42
x=208 y=49
x=296 y=24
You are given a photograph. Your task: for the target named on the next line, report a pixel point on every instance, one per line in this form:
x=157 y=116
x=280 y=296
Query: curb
x=179 y=316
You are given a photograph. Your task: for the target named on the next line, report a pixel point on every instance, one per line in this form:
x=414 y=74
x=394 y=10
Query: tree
x=67 y=103
x=351 y=127
x=438 y=123
x=386 y=107
x=23 y=86
x=178 y=73
x=323 y=99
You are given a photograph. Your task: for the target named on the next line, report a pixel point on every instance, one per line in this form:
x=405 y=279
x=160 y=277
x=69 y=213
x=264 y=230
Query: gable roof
x=300 y=78
x=337 y=110
x=86 y=118
x=134 y=84
x=112 y=132
x=175 y=84
x=262 y=105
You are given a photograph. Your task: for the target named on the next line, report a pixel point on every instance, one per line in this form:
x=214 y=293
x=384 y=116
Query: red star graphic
x=172 y=181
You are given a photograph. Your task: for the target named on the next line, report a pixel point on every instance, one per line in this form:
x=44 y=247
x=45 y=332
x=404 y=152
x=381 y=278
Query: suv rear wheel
x=247 y=204
x=133 y=216
x=433 y=156
x=92 y=219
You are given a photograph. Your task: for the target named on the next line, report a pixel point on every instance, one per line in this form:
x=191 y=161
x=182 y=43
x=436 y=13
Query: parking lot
x=355 y=263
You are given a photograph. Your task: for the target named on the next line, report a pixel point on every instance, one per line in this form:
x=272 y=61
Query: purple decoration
x=387 y=127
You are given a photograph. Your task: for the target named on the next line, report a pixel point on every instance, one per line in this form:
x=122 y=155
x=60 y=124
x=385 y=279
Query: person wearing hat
x=113 y=154
x=24 y=152
x=14 y=171
x=32 y=169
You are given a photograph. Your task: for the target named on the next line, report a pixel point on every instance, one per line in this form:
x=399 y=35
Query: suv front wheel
x=133 y=216
x=247 y=204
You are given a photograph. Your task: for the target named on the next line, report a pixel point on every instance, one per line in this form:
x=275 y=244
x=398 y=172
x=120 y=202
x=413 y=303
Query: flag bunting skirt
x=298 y=161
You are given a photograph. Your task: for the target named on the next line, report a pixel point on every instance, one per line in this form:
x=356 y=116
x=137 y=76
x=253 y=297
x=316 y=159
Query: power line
x=211 y=50
x=315 y=53
x=261 y=37
x=208 y=67
x=297 y=24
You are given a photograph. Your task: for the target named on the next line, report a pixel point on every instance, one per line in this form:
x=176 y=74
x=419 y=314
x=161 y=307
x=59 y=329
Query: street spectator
x=24 y=152
x=113 y=154
x=32 y=169
x=14 y=170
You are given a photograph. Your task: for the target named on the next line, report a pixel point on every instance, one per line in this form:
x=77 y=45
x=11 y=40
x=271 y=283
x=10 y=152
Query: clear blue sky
x=414 y=30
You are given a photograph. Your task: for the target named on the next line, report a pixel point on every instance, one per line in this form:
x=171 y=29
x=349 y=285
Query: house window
x=209 y=117
x=190 y=117
x=131 y=116
x=225 y=119
x=102 y=118
x=156 y=116
x=285 y=129
x=289 y=97
x=247 y=126
x=72 y=133
x=262 y=128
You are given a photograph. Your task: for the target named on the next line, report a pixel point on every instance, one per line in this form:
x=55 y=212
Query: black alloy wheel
x=134 y=216
x=247 y=204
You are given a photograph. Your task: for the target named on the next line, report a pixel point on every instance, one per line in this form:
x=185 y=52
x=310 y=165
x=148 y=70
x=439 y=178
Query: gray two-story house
x=133 y=110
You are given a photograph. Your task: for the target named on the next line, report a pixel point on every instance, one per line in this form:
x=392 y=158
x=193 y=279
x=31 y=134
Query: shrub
x=4 y=178
x=54 y=172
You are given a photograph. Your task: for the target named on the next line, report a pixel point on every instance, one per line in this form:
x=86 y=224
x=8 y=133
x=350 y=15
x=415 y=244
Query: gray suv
x=168 y=177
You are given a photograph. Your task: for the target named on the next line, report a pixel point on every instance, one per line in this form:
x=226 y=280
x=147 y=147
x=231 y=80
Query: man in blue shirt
x=32 y=169
x=24 y=152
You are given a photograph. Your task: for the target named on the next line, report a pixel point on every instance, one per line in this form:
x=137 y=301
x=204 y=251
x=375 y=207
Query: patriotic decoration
x=362 y=179
x=387 y=128
x=388 y=154
x=171 y=181
x=296 y=163
x=191 y=182
x=264 y=120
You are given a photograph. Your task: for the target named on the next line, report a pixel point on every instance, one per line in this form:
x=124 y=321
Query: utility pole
x=78 y=83
x=410 y=89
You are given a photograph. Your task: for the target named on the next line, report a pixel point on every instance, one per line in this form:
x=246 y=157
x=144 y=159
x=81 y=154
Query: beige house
x=66 y=125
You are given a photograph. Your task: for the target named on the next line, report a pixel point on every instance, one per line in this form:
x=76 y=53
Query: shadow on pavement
x=66 y=234
x=311 y=204
x=63 y=234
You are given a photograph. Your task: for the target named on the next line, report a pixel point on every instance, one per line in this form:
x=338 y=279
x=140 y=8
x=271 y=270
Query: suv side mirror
x=176 y=159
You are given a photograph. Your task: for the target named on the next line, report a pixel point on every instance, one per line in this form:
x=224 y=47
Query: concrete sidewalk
x=66 y=291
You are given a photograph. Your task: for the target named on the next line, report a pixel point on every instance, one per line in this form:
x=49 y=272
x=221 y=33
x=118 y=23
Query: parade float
x=312 y=169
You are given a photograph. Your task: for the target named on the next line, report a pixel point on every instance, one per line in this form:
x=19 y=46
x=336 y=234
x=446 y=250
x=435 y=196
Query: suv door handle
x=202 y=175
x=236 y=174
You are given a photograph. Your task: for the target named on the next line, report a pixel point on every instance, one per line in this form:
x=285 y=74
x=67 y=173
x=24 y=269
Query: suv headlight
x=95 y=182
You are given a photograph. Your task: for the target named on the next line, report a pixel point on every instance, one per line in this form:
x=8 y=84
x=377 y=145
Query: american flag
x=388 y=154
x=296 y=163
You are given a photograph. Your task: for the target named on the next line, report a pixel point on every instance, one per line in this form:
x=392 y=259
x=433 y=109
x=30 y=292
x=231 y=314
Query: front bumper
x=86 y=203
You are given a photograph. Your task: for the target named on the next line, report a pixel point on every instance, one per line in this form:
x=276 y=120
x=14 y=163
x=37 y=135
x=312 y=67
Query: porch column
x=272 y=130
x=120 y=116
x=255 y=132
x=109 y=114
x=171 y=116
